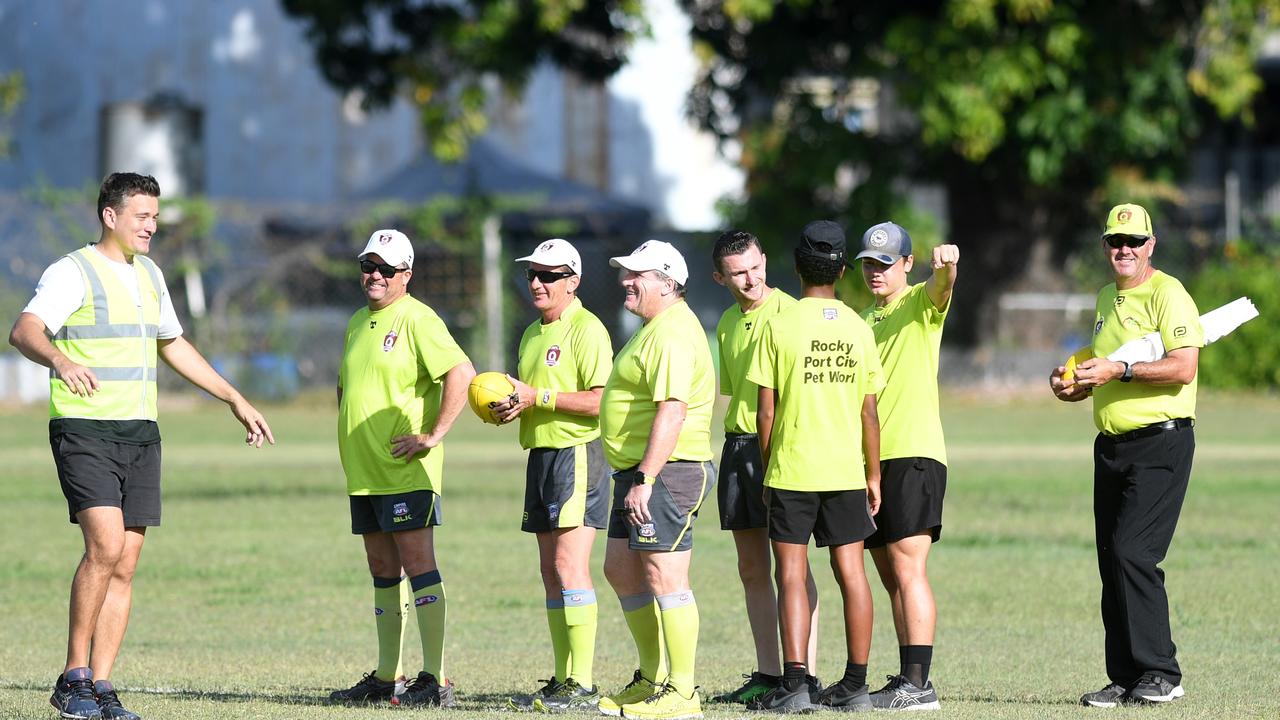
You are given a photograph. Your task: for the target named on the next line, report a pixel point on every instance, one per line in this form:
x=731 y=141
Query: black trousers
x=1138 y=489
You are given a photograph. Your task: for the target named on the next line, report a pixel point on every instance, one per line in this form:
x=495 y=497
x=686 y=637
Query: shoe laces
x=895 y=682
x=82 y=688
x=566 y=688
x=662 y=691
x=109 y=699
x=551 y=686
x=635 y=680
x=371 y=680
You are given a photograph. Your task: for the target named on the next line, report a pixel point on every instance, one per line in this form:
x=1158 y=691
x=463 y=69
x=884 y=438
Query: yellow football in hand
x=1076 y=358
x=486 y=390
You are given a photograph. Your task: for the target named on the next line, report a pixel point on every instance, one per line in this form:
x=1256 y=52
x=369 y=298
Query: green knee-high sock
x=641 y=613
x=559 y=637
x=580 y=621
x=680 y=632
x=389 y=616
x=429 y=599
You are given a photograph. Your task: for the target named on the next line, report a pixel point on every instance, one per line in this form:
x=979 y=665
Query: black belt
x=738 y=436
x=1155 y=429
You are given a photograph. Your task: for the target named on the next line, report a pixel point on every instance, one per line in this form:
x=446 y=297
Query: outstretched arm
x=183 y=357
x=945 y=259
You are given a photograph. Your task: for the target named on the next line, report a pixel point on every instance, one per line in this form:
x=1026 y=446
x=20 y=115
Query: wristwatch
x=641 y=479
x=1127 y=375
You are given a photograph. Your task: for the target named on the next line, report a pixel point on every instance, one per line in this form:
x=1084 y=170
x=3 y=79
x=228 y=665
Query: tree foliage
x=439 y=53
x=1033 y=115
x=12 y=92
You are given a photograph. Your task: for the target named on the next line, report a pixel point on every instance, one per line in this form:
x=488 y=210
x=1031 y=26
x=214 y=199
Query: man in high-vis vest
x=100 y=318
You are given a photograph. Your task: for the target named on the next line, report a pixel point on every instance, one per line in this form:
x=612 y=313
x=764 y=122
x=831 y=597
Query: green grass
x=252 y=600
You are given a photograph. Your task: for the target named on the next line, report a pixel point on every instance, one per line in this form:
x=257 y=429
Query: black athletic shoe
x=782 y=700
x=840 y=697
x=1154 y=689
x=1110 y=696
x=109 y=702
x=902 y=694
x=73 y=695
x=425 y=690
x=369 y=689
x=757 y=685
x=815 y=687
x=524 y=703
x=569 y=695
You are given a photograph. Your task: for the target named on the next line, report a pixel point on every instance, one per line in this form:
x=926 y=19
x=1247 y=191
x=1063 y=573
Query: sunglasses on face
x=546 y=277
x=387 y=271
x=1115 y=242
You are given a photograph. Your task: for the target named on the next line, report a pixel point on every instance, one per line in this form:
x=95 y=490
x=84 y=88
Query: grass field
x=252 y=600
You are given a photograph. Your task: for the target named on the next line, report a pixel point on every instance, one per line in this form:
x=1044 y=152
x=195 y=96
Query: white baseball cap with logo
x=392 y=246
x=554 y=253
x=655 y=255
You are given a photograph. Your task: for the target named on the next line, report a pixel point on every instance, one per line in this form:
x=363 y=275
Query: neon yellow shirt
x=1160 y=303
x=392 y=364
x=821 y=358
x=908 y=334
x=667 y=359
x=568 y=355
x=737 y=333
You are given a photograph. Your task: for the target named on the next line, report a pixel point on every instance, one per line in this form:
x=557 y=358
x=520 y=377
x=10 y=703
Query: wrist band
x=545 y=398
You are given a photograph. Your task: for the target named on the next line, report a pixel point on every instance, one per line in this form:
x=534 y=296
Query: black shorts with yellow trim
x=394 y=513
x=740 y=489
x=566 y=488
x=830 y=517
x=911 y=494
x=677 y=496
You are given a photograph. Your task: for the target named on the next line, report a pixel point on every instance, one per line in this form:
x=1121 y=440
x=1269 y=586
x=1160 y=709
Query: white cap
x=390 y=245
x=554 y=253
x=655 y=255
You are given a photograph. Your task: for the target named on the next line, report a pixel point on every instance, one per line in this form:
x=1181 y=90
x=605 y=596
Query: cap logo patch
x=879 y=238
x=384 y=238
x=389 y=341
x=545 y=246
x=1124 y=215
x=553 y=356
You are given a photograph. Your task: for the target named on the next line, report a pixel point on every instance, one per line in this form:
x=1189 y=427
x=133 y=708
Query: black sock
x=855 y=676
x=915 y=661
x=793 y=675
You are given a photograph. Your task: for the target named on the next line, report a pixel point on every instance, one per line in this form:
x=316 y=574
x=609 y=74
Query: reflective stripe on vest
x=113 y=336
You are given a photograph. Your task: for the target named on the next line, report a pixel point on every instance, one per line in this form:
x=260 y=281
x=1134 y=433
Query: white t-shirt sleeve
x=169 y=326
x=59 y=293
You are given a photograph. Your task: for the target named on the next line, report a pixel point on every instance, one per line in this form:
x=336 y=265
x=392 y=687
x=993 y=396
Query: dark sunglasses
x=1133 y=241
x=387 y=271
x=546 y=277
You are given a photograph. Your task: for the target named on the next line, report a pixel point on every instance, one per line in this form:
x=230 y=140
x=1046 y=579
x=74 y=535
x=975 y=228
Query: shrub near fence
x=1249 y=357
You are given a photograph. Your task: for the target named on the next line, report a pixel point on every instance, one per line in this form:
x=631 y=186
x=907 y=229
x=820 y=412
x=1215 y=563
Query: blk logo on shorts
x=647 y=530
x=389 y=341
x=553 y=356
x=400 y=508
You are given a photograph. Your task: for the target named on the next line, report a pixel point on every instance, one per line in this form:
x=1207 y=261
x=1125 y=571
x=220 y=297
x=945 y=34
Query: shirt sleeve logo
x=1097 y=327
x=1119 y=300
x=389 y=341
x=553 y=356
x=1180 y=331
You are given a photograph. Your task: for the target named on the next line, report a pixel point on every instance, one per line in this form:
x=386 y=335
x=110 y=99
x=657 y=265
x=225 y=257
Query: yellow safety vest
x=115 y=337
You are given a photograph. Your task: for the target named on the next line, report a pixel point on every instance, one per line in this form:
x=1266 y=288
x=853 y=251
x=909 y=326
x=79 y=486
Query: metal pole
x=494 y=324
x=1232 y=203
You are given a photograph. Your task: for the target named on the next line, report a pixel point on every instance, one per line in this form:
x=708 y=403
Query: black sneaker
x=840 y=697
x=902 y=694
x=73 y=695
x=569 y=695
x=815 y=688
x=782 y=700
x=1152 y=688
x=1110 y=696
x=109 y=702
x=524 y=703
x=757 y=685
x=369 y=689
x=425 y=690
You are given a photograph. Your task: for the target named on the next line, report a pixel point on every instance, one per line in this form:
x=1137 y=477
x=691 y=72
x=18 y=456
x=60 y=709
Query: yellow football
x=486 y=390
x=1076 y=358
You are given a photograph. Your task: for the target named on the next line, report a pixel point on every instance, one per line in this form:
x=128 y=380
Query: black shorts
x=566 y=488
x=911 y=492
x=677 y=496
x=392 y=513
x=95 y=472
x=740 y=489
x=831 y=517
